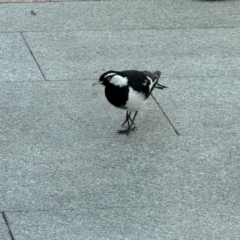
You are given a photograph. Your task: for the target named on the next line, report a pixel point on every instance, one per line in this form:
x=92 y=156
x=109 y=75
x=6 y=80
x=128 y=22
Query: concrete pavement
x=65 y=172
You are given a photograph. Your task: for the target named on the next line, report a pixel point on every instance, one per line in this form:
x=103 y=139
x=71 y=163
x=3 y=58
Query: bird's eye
x=108 y=78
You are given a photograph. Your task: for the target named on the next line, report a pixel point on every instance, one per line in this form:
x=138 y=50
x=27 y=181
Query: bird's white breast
x=136 y=100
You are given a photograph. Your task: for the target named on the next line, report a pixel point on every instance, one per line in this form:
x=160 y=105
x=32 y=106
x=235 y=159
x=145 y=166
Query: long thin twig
x=165 y=115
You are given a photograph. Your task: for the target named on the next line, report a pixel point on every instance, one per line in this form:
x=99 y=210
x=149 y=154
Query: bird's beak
x=97 y=82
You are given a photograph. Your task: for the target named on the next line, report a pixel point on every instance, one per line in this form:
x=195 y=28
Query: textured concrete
x=4 y=233
x=165 y=222
x=204 y=105
x=122 y=14
x=16 y=62
x=64 y=171
x=59 y=129
x=180 y=52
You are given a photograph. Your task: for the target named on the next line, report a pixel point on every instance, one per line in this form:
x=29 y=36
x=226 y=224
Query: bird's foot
x=130 y=122
x=126 y=131
x=128 y=119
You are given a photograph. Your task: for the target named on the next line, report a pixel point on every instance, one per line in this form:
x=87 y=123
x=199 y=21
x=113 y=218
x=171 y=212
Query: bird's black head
x=106 y=77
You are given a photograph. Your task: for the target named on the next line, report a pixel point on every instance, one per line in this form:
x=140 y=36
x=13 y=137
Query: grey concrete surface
x=64 y=171
x=180 y=52
x=213 y=221
x=4 y=233
x=122 y=14
x=211 y=103
x=15 y=61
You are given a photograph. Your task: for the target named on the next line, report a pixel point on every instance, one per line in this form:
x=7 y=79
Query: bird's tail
x=157 y=75
x=160 y=86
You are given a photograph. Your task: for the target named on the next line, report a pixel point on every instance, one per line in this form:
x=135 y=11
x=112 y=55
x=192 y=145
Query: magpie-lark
x=129 y=90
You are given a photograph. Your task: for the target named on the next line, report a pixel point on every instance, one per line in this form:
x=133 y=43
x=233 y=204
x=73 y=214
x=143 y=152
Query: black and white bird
x=129 y=90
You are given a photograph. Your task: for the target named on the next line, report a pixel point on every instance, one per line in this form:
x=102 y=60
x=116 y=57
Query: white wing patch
x=119 y=81
x=136 y=100
x=151 y=83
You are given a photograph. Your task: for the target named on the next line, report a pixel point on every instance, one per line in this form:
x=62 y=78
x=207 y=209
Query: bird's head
x=112 y=77
x=105 y=78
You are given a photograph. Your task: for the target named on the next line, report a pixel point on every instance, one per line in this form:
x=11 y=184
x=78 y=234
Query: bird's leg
x=128 y=118
x=126 y=131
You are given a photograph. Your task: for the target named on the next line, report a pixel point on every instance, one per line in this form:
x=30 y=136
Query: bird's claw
x=126 y=131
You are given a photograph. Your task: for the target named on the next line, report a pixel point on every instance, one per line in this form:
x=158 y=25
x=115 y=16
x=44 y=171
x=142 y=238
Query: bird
x=129 y=90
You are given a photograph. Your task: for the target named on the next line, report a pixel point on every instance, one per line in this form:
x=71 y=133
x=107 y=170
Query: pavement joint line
x=53 y=1
x=121 y=29
x=82 y=208
x=175 y=130
x=33 y=56
x=6 y=222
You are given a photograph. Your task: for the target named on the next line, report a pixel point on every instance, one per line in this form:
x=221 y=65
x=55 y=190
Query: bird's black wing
x=137 y=80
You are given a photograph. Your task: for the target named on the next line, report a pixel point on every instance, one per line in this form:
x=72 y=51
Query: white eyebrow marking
x=110 y=74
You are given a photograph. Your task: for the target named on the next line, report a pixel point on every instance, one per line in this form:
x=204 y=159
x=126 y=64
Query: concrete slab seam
x=6 y=222
x=33 y=56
